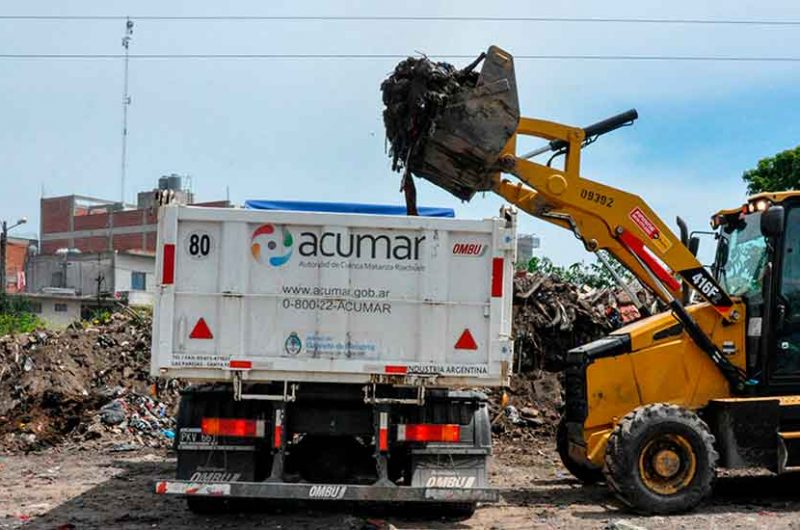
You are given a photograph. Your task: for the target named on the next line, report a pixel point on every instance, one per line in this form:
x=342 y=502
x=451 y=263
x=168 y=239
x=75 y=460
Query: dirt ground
x=90 y=489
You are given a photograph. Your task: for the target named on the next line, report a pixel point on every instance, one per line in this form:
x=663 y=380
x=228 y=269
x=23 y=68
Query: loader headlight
x=758 y=206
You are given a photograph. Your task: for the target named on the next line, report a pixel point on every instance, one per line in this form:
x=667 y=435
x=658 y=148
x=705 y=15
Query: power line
x=543 y=57
x=389 y=18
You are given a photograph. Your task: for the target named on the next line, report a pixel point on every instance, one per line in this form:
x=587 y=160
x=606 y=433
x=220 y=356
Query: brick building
x=99 y=249
x=93 y=225
x=17 y=253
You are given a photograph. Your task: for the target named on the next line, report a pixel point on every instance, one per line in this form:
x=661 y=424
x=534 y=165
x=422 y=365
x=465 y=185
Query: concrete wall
x=47 y=306
x=82 y=273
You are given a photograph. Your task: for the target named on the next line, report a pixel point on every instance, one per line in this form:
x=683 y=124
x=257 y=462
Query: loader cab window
x=787 y=356
x=790 y=275
x=741 y=256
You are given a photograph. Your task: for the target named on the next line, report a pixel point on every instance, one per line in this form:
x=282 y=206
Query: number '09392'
x=599 y=198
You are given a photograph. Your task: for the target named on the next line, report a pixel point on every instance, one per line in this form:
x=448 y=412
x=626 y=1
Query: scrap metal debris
x=552 y=316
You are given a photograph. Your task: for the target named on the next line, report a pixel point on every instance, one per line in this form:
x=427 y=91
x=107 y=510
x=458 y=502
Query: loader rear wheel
x=660 y=459
x=581 y=471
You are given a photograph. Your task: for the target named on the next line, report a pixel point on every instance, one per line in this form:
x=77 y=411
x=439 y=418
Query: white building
x=125 y=275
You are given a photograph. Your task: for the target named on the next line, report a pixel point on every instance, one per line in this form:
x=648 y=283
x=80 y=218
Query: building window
x=61 y=308
x=36 y=307
x=138 y=281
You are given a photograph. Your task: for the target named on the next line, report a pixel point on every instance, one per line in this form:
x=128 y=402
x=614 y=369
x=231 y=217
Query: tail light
x=428 y=432
x=240 y=428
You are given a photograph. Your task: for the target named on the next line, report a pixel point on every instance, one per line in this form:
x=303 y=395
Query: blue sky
x=311 y=129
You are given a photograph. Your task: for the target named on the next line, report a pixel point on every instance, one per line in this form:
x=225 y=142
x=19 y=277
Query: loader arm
x=603 y=217
x=607 y=218
x=473 y=142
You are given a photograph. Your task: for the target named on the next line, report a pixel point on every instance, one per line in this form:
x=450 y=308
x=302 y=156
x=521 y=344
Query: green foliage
x=16 y=316
x=11 y=323
x=593 y=275
x=100 y=316
x=777 y=173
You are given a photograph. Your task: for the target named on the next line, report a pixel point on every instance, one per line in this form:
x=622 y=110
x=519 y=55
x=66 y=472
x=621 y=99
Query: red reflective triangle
x=201 y=331
x=466 y=341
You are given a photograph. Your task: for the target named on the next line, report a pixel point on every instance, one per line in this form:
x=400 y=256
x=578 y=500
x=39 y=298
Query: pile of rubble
x=86 y=385
x=552 y=316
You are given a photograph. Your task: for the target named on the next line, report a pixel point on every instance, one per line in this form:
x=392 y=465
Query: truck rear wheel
x=581 y=471
x=660 y=459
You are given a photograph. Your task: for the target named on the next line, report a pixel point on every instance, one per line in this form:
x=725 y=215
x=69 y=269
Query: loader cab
x=758 y=260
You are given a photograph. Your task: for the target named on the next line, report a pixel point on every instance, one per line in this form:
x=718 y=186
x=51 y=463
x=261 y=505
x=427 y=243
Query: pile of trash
x=414 y=96
x=552 y=316
x=86 y=385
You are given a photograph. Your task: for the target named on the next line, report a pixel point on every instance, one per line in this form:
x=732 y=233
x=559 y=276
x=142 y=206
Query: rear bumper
x=338 y=492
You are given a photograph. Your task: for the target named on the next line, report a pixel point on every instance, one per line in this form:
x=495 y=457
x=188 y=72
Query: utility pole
x=3 y=245
x=126 y=101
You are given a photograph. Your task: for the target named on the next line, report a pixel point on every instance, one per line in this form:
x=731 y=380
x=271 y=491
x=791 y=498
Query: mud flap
x=451 y=472
x=746 y=431
x=203 y=458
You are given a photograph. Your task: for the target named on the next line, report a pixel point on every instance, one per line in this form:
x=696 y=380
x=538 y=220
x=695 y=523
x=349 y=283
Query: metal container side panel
x=333 y=294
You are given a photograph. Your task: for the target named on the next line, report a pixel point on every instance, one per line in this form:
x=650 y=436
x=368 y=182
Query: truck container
x=332 y=355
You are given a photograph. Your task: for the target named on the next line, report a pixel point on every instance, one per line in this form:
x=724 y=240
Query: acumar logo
x=270 y=246
x=370 y=246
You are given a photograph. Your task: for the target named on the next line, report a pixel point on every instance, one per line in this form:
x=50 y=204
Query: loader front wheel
x=581 y=471
x=660 y=459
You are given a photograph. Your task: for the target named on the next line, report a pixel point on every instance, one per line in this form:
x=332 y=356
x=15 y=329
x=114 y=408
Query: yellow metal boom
x=603 y=217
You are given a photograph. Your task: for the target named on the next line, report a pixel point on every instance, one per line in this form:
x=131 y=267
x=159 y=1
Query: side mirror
x=694 y=244
x=772 y=221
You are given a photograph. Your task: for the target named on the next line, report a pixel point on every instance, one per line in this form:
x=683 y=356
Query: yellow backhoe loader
x=654 y=408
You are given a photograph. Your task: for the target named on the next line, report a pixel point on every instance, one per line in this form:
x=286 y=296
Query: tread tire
x=579 y=470
x=630 y=437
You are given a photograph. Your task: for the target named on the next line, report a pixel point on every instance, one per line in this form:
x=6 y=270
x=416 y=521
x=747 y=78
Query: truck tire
x=660 y=459
x=581 y=471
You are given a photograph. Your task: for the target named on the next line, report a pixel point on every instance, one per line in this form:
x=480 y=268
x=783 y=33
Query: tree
x=777 y=173
x=593 y=275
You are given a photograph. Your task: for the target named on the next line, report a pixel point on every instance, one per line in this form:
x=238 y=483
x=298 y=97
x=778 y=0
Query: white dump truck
x=331 y=354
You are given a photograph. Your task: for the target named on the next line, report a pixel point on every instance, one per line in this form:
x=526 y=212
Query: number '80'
x=199 y=245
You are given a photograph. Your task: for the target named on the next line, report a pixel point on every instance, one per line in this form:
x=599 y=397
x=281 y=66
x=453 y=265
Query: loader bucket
x=472 y=130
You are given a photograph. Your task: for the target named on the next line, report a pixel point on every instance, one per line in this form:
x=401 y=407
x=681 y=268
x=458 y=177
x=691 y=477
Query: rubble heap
x=414 y=96
x=87 y=385
x=551 y=316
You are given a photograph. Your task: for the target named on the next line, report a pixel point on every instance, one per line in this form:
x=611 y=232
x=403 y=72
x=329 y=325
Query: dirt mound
x=84 y=385
x=530 y=408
